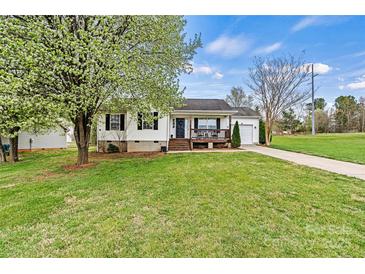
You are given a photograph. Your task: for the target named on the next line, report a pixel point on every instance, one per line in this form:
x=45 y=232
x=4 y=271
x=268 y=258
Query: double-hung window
x=115 y=122
x=207 y=123
x=147 y=125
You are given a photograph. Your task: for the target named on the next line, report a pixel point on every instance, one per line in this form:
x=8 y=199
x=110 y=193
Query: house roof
x=245 y=111
x=205 y=104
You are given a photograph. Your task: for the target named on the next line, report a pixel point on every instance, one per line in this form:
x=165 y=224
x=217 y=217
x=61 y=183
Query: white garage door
x=246 y=132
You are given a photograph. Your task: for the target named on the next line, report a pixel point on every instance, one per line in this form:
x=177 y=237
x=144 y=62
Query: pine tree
x=236 y=138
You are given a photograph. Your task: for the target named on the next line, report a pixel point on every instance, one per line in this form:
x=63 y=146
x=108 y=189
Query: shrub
x=262 y=132
x=236 y=138
x=112 y=148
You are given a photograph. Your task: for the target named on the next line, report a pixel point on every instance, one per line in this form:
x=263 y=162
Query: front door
x=180 y=128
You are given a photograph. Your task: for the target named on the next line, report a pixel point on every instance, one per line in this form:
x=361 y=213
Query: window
x=147 y=125
x=142 y=124
x=114 y=122
x=207 y=123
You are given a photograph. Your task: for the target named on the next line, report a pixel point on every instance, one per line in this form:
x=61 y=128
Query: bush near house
x=112 y=148
x=236 y=138
x=262 y=132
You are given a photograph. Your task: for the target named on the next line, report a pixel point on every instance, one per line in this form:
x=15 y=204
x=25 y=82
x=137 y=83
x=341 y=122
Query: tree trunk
x=267 y=131
x=13 y=149
x=2 y=154
x=82 y=136
x=83 y=155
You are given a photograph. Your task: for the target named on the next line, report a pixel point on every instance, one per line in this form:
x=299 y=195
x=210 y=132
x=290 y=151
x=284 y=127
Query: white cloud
x=341 y=79
x=207 y=70
x=229 y=46
x=202 y=69
x=319 y=68
x=341 y=87
x=310 y=21
x=217 y=75
x=356 y=85
x=269 y=49
x=359 y=84
x=305 y=22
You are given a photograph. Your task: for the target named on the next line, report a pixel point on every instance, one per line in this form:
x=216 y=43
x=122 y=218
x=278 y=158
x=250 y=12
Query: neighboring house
x=200 y=123
x=70 y=135
x=53 y=139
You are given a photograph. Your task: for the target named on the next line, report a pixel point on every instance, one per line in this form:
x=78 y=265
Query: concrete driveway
x=340 y=167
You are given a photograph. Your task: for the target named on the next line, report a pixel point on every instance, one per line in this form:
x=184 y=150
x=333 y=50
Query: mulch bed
x=97 y=156
x=100 y=155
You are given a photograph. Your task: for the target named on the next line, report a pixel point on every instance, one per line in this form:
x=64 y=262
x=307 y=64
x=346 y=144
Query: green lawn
x=340 y=146
x=178 y=205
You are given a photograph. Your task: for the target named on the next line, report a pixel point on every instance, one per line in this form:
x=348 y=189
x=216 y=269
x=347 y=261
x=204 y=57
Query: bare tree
x=238 y=98
x=278 y=84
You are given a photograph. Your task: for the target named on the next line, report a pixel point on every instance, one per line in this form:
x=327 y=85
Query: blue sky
x=336 y=44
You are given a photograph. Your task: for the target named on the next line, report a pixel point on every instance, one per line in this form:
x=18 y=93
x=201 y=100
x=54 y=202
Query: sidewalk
x=340 y=167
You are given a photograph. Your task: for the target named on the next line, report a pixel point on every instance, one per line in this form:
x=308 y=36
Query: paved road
x=340 y=167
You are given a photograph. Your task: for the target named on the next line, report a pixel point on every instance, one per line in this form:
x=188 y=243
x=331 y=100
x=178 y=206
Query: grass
x=178 y=205
x=348 y=147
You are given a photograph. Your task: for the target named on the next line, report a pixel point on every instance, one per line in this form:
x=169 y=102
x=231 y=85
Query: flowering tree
x=23 y=114
x=21 y=107
x=84 y=63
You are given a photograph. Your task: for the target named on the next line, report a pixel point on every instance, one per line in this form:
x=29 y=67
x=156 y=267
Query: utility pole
x=313 y=109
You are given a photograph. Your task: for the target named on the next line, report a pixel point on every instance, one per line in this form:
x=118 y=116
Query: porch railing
x=214 y=134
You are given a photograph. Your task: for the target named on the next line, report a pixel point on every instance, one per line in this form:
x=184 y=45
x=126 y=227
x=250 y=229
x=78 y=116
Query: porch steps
x=179 y=144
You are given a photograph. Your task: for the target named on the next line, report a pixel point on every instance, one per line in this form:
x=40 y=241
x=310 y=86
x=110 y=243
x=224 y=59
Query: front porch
x=198 y=131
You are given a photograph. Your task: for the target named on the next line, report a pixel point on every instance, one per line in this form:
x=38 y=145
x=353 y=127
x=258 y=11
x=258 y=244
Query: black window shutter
x=155 y=121
x=107 y=121
x=122 y=122
x=139 y=125
x=195 y=123
x=218 y=123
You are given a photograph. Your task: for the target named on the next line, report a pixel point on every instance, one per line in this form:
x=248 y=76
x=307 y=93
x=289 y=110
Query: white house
x=200 y=123
x=53 y=139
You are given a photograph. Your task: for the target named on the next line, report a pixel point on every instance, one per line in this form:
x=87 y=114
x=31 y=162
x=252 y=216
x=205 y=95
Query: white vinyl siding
x=254 y=131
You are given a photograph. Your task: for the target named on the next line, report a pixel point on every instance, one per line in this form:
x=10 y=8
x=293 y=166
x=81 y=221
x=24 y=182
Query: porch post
x=190 y=141
x=230 y=133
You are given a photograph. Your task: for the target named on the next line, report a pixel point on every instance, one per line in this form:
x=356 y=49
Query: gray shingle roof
x=205 y=104
x=245 y=111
